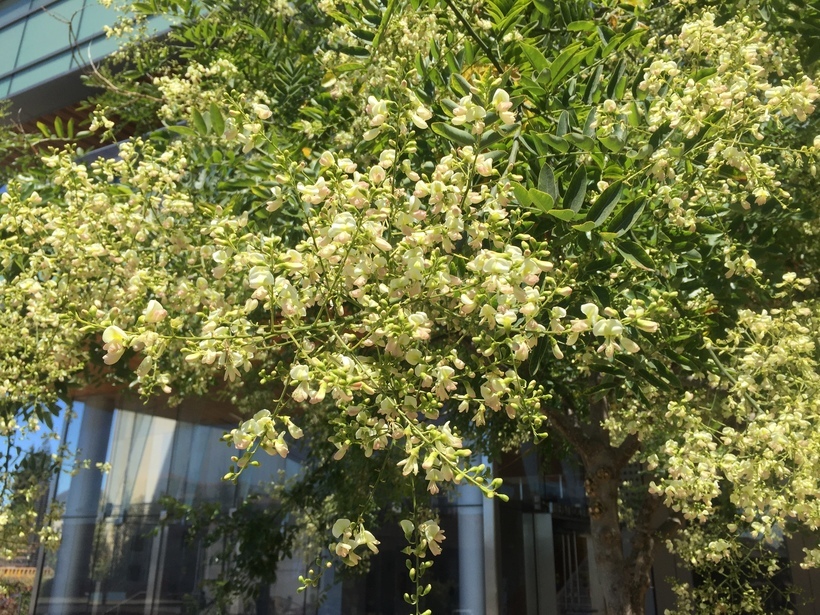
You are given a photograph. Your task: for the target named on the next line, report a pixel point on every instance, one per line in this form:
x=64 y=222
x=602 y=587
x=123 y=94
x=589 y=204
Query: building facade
x=121 y=554
x=45 y=45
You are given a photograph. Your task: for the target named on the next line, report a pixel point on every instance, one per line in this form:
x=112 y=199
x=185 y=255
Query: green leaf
x=577 y=190
x=626 y=217
x=388 y=13
x=261 y=192
x=567 y=14
x=615 y=140
x=462 y=137
x=660 y=135
x=182 y=130
x=654 y=380
x=546 y=182
x=704 y=73
x=588 y=128
x=555 y=143
x=584 y=226
x=636 y=255
x=562 y=214
x=460 y=85
x=568 y=59
x=599 y=391
x=537 y=356
x=521 y=195
x=813 y=54
x=592 y=84
x=633 y=115
x=508 y=129
x=362 y=34
x=544 y=77
x=611 y=43
x=563 y=124
x=535 y=57
x=581 y=141
x=44 y=129
x=667 y=374
x=630 y=38
x=605 y=203
x=708 y=229
x=349 y=66
x=606 y=368
x=199 y=122
x=450 y=104
x=541 y=200
x=617 y=75
x=356 y=52
x=58 y=127
x=612 y=143
x=489 y=138
x=143 y=7
x=581 y=26
x=217 y=121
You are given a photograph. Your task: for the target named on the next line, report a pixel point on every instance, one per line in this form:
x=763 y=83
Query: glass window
x=94 y=18
x=40 y=72
x=13 y=9
x=48 y=31
x=9 y=44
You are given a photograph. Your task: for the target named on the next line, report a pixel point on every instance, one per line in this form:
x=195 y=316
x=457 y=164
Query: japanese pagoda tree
x=410 y=226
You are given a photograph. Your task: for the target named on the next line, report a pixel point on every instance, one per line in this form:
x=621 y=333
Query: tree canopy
x=418 y=230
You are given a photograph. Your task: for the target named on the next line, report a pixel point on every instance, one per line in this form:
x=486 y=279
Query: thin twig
x=475 y=36
x=116 y=89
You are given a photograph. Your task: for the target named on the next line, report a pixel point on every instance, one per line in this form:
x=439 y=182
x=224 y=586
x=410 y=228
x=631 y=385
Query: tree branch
x=626 y=450
x=598 y=411
x=475 y=36
x=571 y=431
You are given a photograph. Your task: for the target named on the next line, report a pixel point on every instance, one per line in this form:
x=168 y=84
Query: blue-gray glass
x=10 y=38
x=13 y=9
x=50 y=31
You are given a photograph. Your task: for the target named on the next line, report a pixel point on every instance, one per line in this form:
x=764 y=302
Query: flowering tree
x=592 y=223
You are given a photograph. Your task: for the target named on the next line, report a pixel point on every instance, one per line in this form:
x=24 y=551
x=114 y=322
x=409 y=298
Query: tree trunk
x=623 y=580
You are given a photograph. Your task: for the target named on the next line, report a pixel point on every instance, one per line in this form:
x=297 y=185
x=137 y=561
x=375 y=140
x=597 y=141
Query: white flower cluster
x=756 y=449
x=739 y=87
x=611 y=328
x=262 y=430
x=200 y=86
x=408 y=34
x=351 y=536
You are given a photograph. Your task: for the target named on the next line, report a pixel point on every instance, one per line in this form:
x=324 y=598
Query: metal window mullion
x=19 y=48
x=27 y=14
x=19 y=69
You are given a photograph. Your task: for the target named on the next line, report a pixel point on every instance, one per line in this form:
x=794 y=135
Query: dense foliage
x=416 y=225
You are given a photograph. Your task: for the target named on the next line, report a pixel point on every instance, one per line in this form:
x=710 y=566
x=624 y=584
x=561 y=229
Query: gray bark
x=623 y=580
